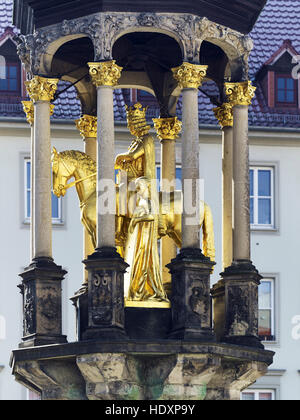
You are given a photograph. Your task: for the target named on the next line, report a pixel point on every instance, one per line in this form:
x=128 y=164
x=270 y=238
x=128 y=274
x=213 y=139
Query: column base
x=191 y=303
x=106 y=315
x=42 y=305
x=241 y=281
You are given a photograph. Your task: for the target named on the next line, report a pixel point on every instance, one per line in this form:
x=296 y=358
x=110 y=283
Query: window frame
x=257 y=392
x=16 y=92
x=256 y=225
x=279 y=104
x=272 y=281
x=55 y=220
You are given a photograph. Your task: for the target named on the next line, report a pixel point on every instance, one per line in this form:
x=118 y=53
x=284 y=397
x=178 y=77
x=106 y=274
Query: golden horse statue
x=78 y=165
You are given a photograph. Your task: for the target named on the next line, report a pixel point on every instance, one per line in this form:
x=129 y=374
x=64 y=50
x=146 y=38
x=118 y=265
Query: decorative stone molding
x=105 y=73
x=189 y=76
x=29 y=111
x=41 y=88
x=240 y=93
x=105 y=28
x=224 y=115
x=167 y=128
x=87 y=126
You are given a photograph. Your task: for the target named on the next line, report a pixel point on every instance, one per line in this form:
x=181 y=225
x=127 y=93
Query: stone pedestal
x=236 y=305
x=41 y=290
x=106 y=317
x=191 y=302
x=140 y=370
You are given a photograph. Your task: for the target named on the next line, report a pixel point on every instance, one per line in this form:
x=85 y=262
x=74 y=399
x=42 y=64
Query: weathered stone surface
x=41 y=290
x=191 y=305
x=168 y=370
x=236 y=310
x=106 y=316
x=53 y=379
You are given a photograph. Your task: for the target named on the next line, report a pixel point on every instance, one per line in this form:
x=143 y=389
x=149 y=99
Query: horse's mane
x=80 y=159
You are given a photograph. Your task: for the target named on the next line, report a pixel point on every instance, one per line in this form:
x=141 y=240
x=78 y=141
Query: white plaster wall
x=272 y=252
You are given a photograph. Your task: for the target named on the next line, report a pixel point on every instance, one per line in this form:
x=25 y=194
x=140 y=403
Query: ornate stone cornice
x=240 y=93
x=28 y=108
x=105 y=28
x=167 y=128
x=41 y=88
x=87 y=125
x=224 y=115
x=189 y=75
x=105 y=73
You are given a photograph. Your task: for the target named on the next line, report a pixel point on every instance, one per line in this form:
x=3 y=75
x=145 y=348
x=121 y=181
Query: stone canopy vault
x=158 y=340
x=153 y=43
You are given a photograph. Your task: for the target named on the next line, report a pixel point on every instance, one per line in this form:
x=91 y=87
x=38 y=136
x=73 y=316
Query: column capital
x=87 y=126
x=106 y=73
x=41 y=89
x=167 y=128
x=29 y=111
x=28 y=107
x=224 y=114
x=189 y=76
x=240 y=93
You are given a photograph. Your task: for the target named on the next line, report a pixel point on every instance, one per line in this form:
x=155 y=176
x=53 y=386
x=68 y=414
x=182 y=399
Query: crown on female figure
x=136 y=120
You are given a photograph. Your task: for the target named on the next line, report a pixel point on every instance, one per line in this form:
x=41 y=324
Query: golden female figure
x=141 y=250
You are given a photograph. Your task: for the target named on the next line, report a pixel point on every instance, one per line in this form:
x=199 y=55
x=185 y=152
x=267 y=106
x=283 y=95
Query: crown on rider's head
x=136 y=120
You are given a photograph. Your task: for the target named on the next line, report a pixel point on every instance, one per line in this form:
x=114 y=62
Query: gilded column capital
x=167 y=128
x=28 y=108
x=224 y=114
x=106 y=73
x=240 y=93
x=29 y=111
x=189 y=75
x=41 y=89
x=87 y=126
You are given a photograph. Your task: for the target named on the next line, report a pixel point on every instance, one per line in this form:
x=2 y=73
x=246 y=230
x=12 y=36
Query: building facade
x=274 y=183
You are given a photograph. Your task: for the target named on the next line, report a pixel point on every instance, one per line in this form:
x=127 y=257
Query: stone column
x=190 y=270
x=167 y=130
x=29 y=111
x=225 y=118
x=240 y=281
x=41 y=285
x=106 y=318
x=190 y=77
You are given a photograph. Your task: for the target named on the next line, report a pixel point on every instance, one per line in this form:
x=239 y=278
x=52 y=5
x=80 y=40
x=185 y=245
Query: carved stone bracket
x=105 y=28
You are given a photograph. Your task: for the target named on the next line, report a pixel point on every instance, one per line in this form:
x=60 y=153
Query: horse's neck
x=86 y=187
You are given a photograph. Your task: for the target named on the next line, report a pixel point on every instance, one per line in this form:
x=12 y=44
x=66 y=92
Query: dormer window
x=286 y=91
x=11 y=83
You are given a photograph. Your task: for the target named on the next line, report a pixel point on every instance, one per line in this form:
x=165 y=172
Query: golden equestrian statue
x=136 y=169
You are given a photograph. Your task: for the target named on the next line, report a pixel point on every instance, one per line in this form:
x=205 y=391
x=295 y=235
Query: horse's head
x=62 y=172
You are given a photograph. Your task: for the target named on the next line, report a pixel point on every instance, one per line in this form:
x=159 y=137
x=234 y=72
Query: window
x=286 y=91
x=11 y=83
x=258 y=395
x=56 y=202
x=266 y=320
x=262 y=198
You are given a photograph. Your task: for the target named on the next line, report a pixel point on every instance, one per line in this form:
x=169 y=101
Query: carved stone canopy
x=237 y=15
